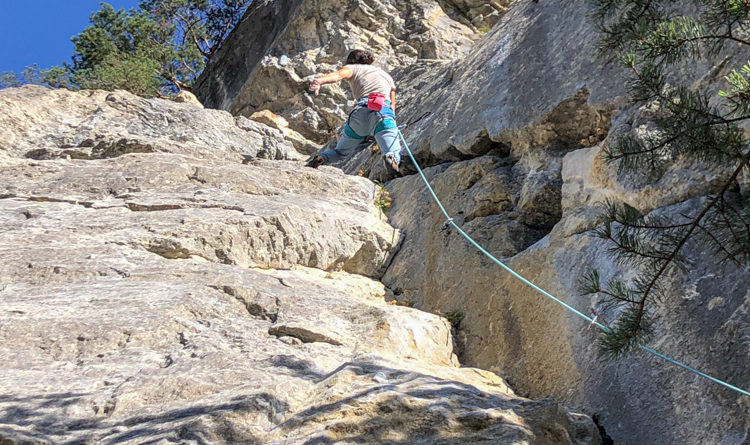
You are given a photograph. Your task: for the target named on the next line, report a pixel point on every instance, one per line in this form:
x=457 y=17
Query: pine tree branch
x=686 y=128
x=189 y=68
x=190 y=30
x=623 y=30
x=652 y=34
x=663 y=144
x=181 y=85
x=651 y=150
x=668 y=261
x=653 y=227
x=634 y=251
x=738 y=214
x=728 y=36
x=719 y=244
x=731 y=227
x=618 y=297
x=673 y=107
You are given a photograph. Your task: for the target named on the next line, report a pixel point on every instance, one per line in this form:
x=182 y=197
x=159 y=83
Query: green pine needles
x=160 y=47
x=163 y=45
x=691 y=125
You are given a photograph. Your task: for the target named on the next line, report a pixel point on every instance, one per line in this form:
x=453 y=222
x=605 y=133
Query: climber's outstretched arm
x=332 y=77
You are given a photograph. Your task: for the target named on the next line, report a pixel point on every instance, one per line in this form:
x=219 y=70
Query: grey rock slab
x=40 y=123
x=370 y=400
x=535 y=80
x=485 y=196
x=195 y=293
x=533 y=92
x=122 y=346
x=544 y=350
x=271 y=228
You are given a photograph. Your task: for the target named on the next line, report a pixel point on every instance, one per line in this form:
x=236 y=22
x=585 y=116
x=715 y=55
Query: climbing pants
x=364 y=122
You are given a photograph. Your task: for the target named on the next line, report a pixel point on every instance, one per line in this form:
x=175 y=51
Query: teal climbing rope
x=520 y=277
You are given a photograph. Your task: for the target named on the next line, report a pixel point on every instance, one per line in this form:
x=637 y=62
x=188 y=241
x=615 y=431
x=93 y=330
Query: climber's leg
x=356 y=125
x=347 y=143
x=389 y=142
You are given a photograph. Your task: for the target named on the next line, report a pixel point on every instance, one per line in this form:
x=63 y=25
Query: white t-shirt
x=367 y=79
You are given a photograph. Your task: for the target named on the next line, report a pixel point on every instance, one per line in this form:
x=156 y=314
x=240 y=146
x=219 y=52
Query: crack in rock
x=91 y=150
x=168 y=249
x=303 y=334
x=137 y=207
x=257 y=304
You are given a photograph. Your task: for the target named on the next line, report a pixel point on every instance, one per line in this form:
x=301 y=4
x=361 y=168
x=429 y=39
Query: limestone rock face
x=188 y=98
x=544 y=350
x=198 y=292
x=510 y=129
x=42 y=124
x=539 y=106
x=535 y=81
x=271 y=71
x=301 y=143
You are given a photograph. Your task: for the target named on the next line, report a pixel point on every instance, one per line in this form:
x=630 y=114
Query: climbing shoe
x=391 y=160
x=315 y=162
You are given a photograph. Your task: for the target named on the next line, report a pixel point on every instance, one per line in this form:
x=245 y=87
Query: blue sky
x=39 y=31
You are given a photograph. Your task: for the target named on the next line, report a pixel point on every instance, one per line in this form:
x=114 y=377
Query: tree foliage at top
x=56 y=77
x=649 y=37
x=123 y=49
x=163 y=45
x=201 y=24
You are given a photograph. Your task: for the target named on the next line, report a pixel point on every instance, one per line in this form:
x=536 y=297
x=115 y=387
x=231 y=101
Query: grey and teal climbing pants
x=365 y=122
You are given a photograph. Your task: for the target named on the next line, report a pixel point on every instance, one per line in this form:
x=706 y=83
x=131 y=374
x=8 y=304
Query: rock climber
x=374 y=114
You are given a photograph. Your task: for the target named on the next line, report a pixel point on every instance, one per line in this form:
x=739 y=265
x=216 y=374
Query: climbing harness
x=592 y=321
x=378 y=103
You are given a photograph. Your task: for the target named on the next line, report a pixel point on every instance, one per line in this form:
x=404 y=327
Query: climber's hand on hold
x=315 y=86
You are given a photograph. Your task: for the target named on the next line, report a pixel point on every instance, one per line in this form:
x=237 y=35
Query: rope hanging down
x=449 y=220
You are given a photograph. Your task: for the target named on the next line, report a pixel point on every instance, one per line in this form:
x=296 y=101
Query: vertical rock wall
x=513 y=138
x=269 y=70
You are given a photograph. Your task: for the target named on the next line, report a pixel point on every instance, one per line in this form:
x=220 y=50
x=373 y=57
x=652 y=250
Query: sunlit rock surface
x=182 y=287
x=512 y=143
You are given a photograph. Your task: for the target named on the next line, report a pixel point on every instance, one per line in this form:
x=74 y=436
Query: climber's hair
x=360 y=57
